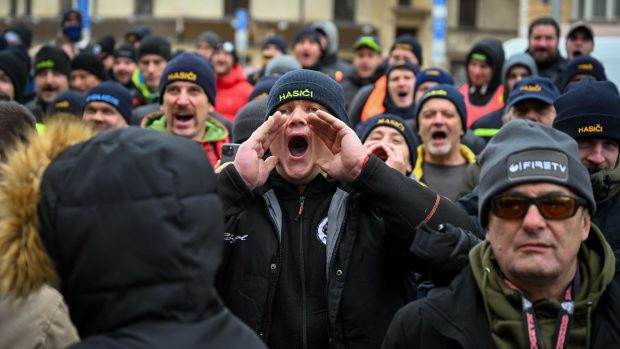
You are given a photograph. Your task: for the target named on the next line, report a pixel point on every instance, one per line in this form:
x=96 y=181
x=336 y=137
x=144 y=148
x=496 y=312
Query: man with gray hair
x=544 y=276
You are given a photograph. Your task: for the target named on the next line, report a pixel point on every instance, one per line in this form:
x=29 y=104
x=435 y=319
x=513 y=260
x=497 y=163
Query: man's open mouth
x=183 y=117
x=439 y=135
x=402 y=94
x=297 y=146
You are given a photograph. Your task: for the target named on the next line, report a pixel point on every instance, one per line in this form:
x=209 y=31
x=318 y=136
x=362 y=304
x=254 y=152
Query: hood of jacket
x=493 y=49
x=234 y=76
x=140 y=246
x=330 y=53
x=25 y=266
x=521 y=59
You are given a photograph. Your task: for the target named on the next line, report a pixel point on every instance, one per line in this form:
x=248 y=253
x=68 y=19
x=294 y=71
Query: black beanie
x=22 y=33
x=587 y=65
x=589 y=109
x=155 y=45
x=277 y=41
x=68 y=101
x=126 y=50
x=104 y=46
x=91 y=63
x=114 y=94
x=248 y=119
x=395 y=122
x=304 y=84
x=189 y=67
x=409 y=43
x=526 y=152
x=52 y=57
x=17 y=71
x=307 y=32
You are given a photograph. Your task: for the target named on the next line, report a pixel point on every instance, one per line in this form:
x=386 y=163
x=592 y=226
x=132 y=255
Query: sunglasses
x=552 y=206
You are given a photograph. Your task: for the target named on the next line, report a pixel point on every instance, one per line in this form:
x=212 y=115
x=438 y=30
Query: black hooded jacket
x=133 y=224
x=492 y=48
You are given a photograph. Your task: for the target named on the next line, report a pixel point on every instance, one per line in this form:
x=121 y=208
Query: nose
x=533 y=220
x=595 y=155
x=49 y=77
x=298 y=117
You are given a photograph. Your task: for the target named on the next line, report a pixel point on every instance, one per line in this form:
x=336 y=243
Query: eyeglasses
x=552 y=206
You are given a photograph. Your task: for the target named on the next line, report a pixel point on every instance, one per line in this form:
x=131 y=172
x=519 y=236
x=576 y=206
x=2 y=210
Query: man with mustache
x=187 y=96
x=543 y=39
x=441 y=117
x=52 y=69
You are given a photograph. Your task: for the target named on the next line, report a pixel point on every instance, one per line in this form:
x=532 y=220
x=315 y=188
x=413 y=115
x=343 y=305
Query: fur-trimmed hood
x=24 y=263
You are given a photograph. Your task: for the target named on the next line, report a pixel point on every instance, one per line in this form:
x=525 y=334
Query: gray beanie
x=248 y=119
x=527 y=152
x=281 y=64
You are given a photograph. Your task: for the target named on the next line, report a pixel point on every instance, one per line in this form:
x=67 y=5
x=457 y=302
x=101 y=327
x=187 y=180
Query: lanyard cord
x=562 y=324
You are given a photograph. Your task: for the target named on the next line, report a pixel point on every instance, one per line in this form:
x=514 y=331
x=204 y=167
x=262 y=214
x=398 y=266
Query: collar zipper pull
x=301 y=206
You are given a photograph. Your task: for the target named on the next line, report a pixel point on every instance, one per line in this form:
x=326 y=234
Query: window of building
x=596 y=10
x=404 y=3
x=344 y=10
x=231 y=6
x=144 y=8
x=467 y=13
x=65 y=5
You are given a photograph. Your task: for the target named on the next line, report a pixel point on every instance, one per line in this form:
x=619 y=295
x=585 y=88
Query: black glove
x=445 y=250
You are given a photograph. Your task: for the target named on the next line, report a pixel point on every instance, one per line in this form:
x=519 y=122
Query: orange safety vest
x=474 y=112
x=374 y=103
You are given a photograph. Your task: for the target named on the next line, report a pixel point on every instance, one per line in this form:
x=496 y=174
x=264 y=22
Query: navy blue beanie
x=68 y=101
x=189 y=67
x=114 y=94
x=304 y=84
x=307 y=32
x=410 y=43
x=275 y=40
x=262 y=87
x=435 y=74
x=448 y=92
x=395 y=122
x=403 y=65
x=589 y=109
x=587 y=65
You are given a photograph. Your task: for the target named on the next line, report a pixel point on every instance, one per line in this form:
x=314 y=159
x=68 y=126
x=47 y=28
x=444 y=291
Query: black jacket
x=456 y=318
x=370 y=228
x=132 y=221
x=607 y=218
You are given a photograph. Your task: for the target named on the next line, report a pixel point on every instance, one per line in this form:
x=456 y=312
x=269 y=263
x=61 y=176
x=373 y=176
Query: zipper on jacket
x=302 y=274
x=271 y=293
x=330 y=333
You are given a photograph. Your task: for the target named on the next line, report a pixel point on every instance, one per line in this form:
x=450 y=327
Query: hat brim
x=536 y=97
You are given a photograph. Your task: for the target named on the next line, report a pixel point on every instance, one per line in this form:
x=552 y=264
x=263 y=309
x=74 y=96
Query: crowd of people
x=362 y=205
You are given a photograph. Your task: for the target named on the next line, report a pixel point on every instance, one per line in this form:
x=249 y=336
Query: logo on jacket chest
x=321 y=231
x=231 y=238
